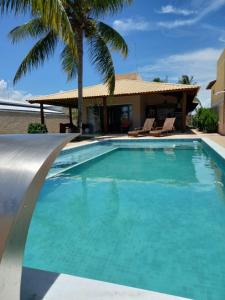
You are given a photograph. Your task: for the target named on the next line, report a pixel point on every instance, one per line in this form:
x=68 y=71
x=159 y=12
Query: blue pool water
x=147 y=215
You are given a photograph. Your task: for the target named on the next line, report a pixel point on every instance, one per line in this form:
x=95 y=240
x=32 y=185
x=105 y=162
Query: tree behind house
x=158 y=79
x=185 y=79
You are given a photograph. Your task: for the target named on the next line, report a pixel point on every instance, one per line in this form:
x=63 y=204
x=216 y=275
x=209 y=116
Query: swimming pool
x=144 y=214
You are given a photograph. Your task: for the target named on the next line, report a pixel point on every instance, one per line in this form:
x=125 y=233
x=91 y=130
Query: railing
x=24 y=164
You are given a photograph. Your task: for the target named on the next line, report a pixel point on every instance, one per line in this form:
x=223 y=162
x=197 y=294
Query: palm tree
x=70 y=21
x=185 y=79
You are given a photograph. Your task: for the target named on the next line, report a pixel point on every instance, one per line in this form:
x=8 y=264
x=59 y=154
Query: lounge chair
x=143 y=130
x=168 y=126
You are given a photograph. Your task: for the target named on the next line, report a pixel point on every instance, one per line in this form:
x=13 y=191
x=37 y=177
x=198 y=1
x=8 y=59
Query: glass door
x=119 y=118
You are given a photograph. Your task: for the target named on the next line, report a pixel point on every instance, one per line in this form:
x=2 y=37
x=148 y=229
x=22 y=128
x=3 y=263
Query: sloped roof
x=123 y=87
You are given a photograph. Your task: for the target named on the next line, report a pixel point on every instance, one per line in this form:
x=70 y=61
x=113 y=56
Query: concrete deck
x=37 y=285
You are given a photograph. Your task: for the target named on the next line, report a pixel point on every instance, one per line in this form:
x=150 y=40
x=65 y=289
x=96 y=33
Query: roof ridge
x=158 y=83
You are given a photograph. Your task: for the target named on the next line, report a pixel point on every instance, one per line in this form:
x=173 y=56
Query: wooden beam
x=105 y=115
x=42 y=114
x=184 y=111
x=70 y=115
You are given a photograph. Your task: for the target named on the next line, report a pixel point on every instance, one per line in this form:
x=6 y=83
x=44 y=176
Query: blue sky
x=165 y=38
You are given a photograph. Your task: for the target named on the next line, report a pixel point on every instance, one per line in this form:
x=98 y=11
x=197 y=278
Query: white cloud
x=201 y=64
x=210 y=6
x=170 y=9
x=7 y=93
x=126 y=25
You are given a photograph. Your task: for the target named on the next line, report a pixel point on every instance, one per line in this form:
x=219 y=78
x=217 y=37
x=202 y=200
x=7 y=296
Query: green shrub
x=206 y=120
x=37 y=128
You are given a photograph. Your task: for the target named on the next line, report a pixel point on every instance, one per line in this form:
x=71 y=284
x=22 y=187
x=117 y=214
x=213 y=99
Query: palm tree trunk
x=80 y=79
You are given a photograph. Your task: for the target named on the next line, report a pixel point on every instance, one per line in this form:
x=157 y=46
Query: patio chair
x=168 y=126
x=143 y=130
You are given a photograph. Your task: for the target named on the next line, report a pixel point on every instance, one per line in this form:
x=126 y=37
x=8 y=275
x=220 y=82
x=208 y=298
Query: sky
x=166 y=38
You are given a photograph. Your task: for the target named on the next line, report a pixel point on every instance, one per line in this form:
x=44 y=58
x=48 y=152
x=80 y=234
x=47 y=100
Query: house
x=134 y=99
x=15 y=117
x=217 y=88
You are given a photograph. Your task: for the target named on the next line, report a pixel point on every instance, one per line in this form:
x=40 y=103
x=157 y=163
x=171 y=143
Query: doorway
x=119 y=118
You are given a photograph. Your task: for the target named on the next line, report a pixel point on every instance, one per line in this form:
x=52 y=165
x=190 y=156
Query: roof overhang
x=67 y=99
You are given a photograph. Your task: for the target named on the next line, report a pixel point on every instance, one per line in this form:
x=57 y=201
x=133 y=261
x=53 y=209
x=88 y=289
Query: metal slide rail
x=24 y=164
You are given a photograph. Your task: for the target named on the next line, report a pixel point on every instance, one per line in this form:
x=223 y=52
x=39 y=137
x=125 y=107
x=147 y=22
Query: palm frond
x=16 y=6
x=54 y=15
x=52 y=12
x=100 y=7
x=37 y=55
x=101 y=57
x=69 y=63
x=113 y=38
x=33 y=28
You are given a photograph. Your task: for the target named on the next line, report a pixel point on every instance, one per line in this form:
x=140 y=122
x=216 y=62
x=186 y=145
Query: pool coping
x=215 y=146
x=54 y=286
x=212 y=144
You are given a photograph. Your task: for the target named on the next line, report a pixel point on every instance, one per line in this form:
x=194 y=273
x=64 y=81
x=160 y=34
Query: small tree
x=185 y=79
x=37 y=128
x=206 y=119
x=158 y=79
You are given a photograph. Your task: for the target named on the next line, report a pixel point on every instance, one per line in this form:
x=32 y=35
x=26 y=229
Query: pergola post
x=184 y=111
x=70 y=115
x=105 y=115
x=42 y=114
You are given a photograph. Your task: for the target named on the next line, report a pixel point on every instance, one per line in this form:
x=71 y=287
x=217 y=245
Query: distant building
x=217 y=88
x=15 y=117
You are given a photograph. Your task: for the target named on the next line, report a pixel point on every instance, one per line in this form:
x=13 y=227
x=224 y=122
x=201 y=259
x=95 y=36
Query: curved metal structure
x=24 y=164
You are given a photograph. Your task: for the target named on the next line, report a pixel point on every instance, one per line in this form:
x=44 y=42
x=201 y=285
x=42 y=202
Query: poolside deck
x=214 y=137
x=38 y=285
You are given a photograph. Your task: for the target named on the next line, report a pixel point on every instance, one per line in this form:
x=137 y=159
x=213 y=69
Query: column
x=70 y=115
x=42 y=114
x=105 y=115
x=184 y=111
